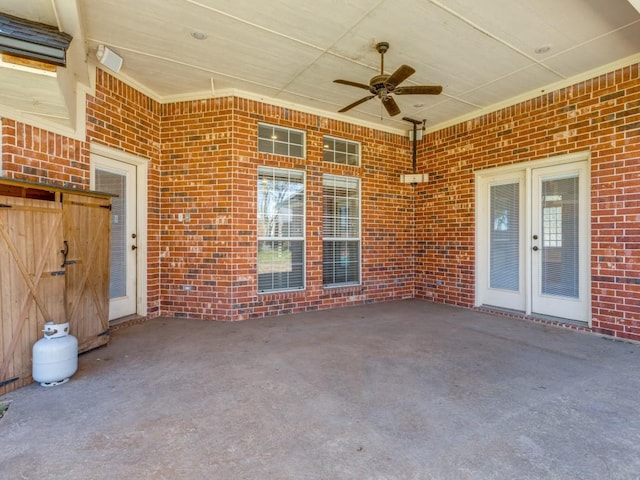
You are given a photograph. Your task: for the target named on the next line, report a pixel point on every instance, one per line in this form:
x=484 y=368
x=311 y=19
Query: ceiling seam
x=283 y=35
x=327 y=50
x=264 y=29
x=494 y=37
x=252 y=24
x=593 y=39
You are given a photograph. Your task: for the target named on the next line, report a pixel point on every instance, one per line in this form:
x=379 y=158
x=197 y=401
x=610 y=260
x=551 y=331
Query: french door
x=119 y=179
x=533 y=239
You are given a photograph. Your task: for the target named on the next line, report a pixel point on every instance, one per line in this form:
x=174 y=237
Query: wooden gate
x=31 y=281
x=54 y=267
x=86 y=229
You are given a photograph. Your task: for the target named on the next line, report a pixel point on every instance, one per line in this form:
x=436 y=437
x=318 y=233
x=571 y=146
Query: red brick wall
x=601 y=115
x=35 y=155
x=415 y=240
x=196 y=178
x=209 y=169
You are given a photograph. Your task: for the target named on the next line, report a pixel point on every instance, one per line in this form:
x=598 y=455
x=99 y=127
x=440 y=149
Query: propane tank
x=55 y=356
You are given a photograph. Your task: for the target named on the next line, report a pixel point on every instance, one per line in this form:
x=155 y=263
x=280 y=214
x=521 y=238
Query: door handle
x=134 y=247
x=64 y=252
x=535 y=248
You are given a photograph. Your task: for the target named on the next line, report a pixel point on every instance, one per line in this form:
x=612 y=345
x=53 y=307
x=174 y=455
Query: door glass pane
x=504 y=255
x=559 y=248
x=116 y=184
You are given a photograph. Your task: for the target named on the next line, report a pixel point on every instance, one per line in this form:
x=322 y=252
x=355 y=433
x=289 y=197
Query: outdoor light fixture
x=109 y=58
x=33 y=40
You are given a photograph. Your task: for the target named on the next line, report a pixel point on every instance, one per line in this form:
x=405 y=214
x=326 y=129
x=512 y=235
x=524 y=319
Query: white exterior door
x=119 y=178
x=533 y=239
x=559 y=236
x=502 y=232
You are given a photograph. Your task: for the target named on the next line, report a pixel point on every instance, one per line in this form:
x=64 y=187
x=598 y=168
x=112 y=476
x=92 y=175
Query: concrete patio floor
x=400 y=390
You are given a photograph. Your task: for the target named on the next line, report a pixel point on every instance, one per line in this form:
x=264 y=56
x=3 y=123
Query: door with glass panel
x=533 y=241
x=559 y=232
x=119 y=179
x=501 y=249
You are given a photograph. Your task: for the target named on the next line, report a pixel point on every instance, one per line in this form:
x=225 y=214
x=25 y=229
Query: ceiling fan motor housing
x=377 y=83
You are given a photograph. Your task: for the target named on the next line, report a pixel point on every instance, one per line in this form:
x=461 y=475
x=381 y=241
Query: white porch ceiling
x=483 y=52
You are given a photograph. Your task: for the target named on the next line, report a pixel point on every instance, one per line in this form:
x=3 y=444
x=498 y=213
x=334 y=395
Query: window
x=280 y=230
x=340 y=231
x=281 y=141
x=552 y=221
x=336 y=150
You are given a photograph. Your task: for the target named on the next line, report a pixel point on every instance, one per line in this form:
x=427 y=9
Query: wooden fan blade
x=419 y=90
x=391 y=106
x=353 y=84
x=355 y=104
x=400 y=75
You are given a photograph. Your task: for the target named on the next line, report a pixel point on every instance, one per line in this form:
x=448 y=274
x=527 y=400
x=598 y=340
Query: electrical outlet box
x=414 y=178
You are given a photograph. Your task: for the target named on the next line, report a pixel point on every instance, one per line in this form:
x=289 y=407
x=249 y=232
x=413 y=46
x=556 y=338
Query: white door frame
x=481 y=242
x=142 y=166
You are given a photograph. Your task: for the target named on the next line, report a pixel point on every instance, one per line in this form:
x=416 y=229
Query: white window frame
x=278 y=143
x=265 y=170
x=347 y=238
x=326 y=144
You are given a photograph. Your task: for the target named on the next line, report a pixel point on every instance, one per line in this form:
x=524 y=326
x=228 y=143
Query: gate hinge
x=108 y=207
x=4 y=205
x=7 y=382
x=106 y=332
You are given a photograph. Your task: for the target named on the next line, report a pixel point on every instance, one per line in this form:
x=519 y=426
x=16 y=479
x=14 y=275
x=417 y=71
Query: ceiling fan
x=383 y=86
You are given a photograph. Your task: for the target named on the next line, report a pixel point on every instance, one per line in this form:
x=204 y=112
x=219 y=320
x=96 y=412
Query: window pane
x=116 y=184
x=280 y=135
x=340 y=151
x=560 y=260
x=296 y=138
x=505 y=237
x=340 y=262
x=265 y=131
x=281 y=141
x=280 y=265
x=329 y=143
x=265 y=146
x=280 y=229
x=280 y=148
x=341 y=231
x=296 y=151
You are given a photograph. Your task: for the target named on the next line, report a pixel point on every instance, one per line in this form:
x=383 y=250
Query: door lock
x=535 y=248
